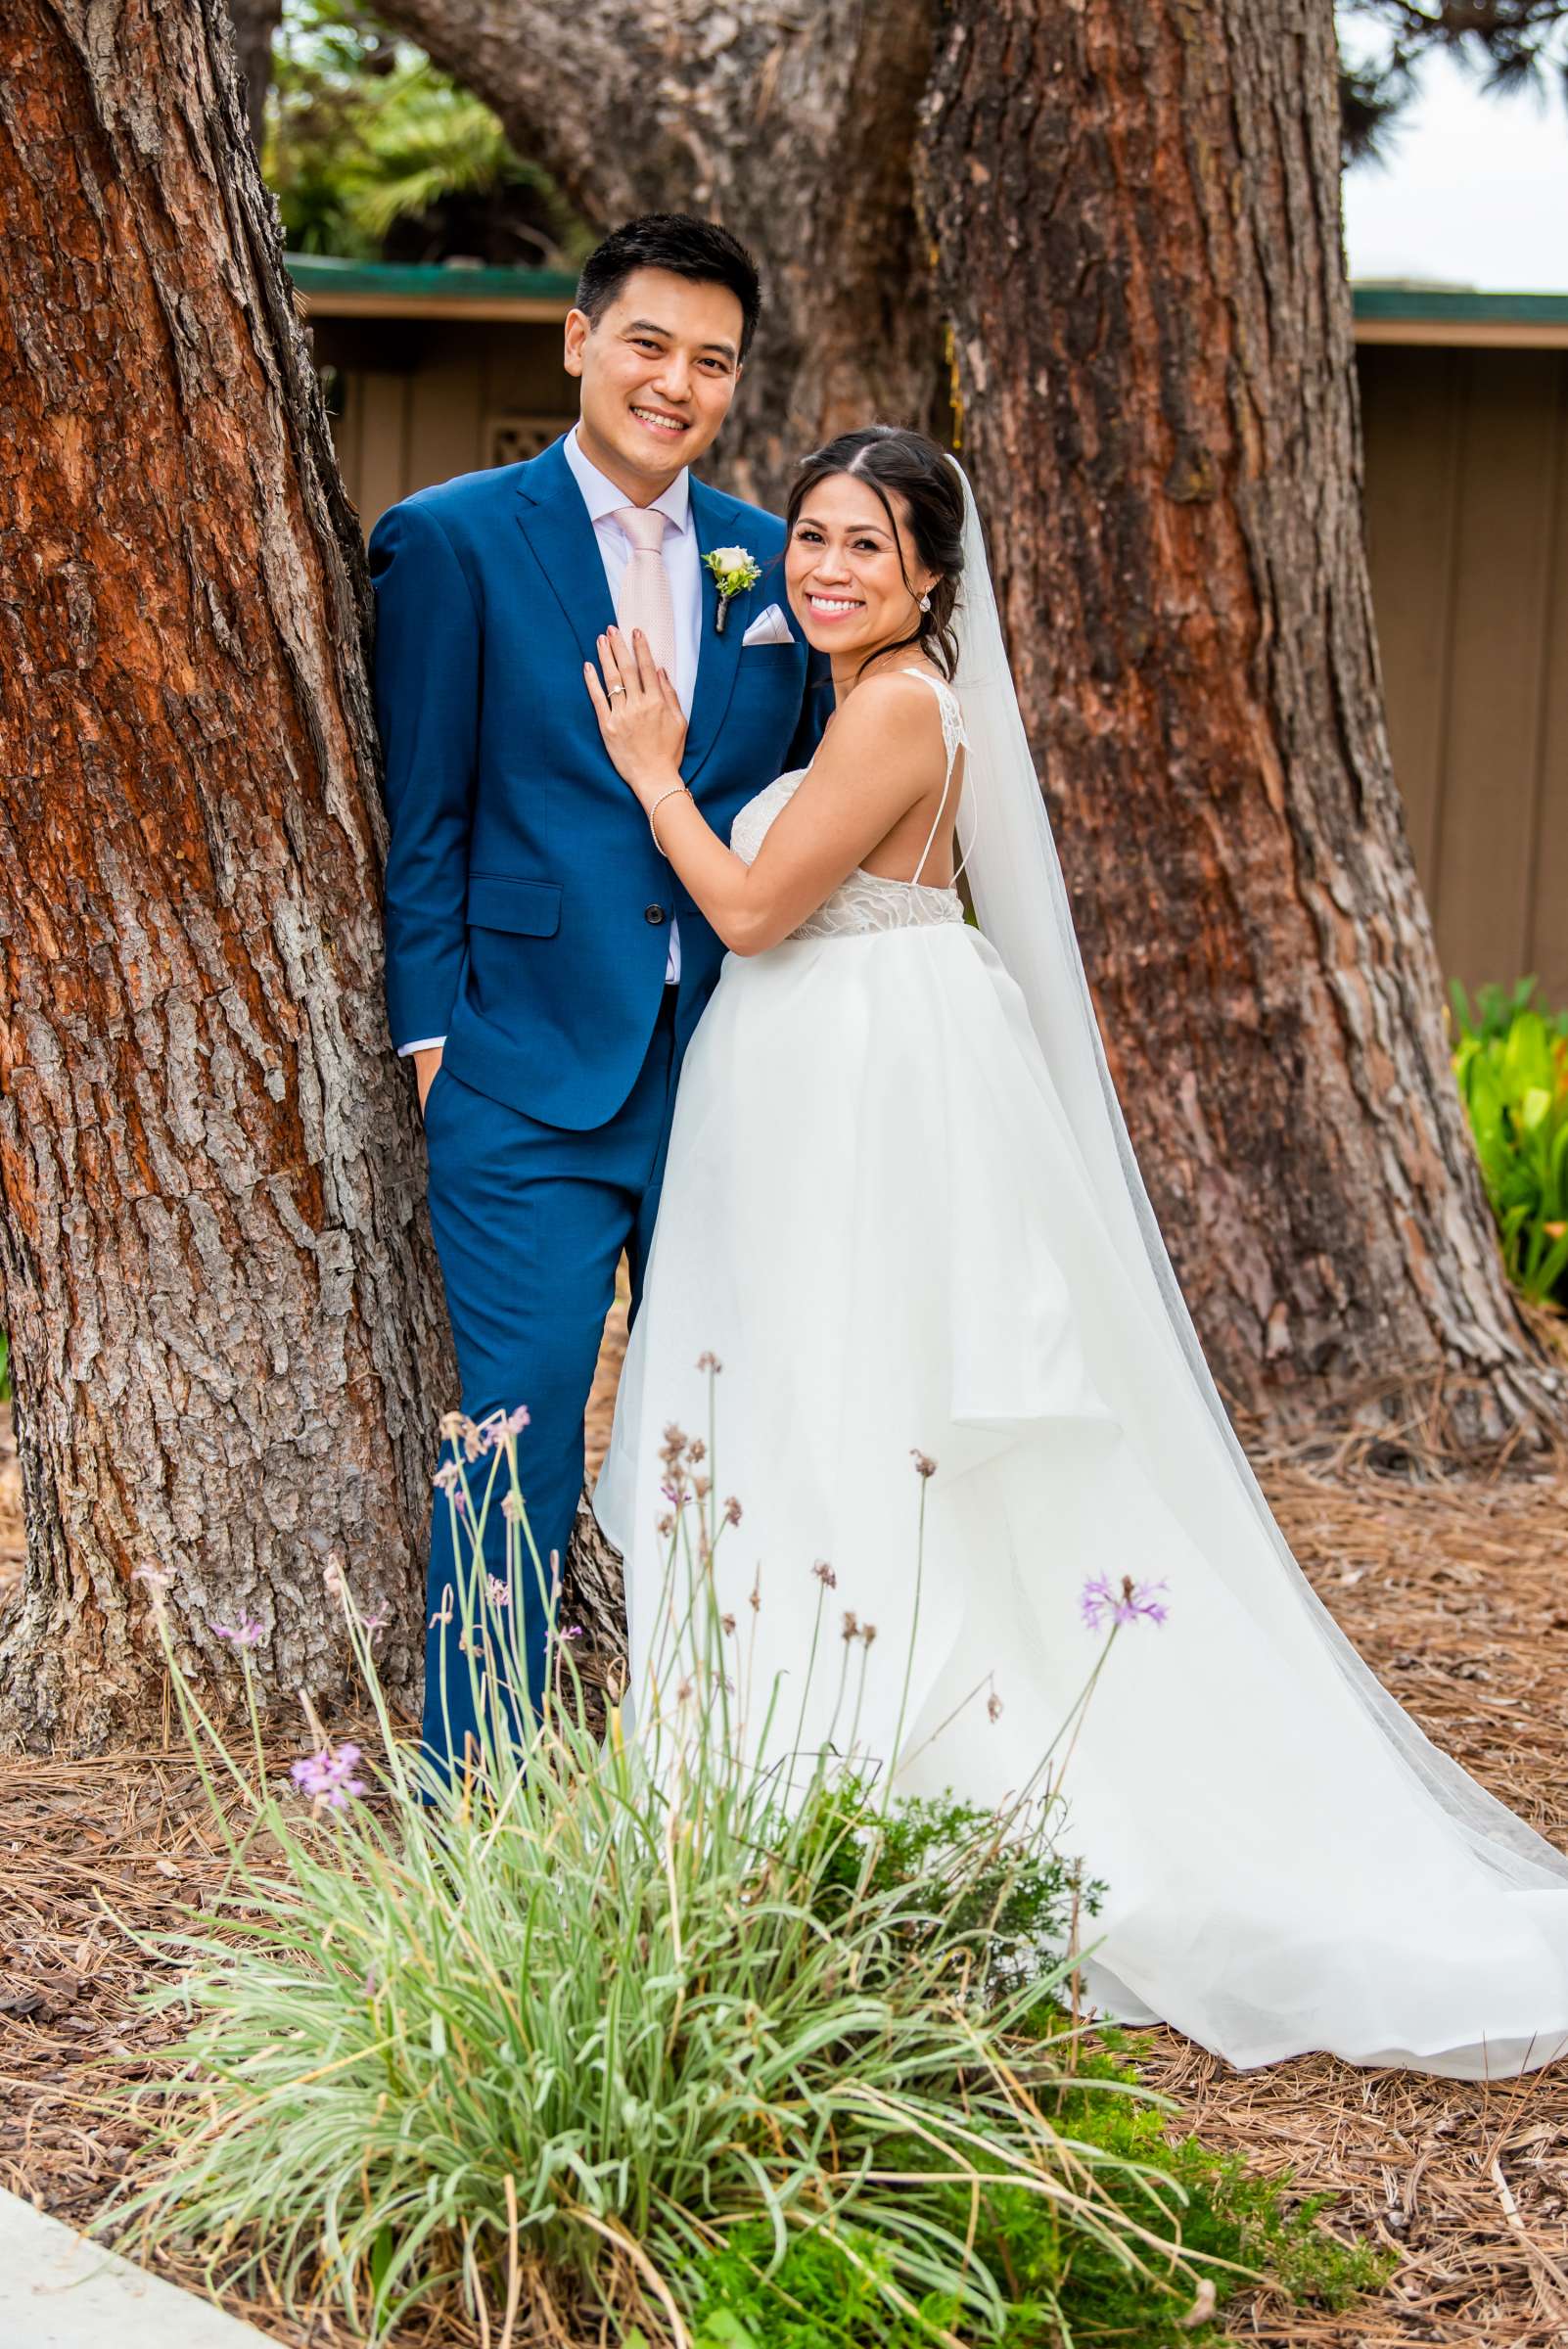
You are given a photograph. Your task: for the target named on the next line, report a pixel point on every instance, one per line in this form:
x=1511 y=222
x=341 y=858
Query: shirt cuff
x=426 y=1043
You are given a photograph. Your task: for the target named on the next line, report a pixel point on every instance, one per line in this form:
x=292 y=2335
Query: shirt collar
x=601 y=496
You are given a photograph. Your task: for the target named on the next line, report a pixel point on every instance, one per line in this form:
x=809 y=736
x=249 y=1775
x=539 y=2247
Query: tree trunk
x=793 y=126
x=254 y=23
x=217 y=1280
x=1153 y=350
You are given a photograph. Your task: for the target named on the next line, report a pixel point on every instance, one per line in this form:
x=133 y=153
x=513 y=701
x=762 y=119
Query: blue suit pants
x=529 y=1221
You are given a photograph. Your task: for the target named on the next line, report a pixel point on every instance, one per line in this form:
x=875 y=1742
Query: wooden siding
x=426 y=416
x=1467 y=501
x=1466 y=507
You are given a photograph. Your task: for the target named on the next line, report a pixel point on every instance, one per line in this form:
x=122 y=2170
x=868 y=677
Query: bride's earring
x=925 y=603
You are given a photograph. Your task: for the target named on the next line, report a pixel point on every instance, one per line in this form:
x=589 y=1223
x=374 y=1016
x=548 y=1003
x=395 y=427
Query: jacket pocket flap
x=498 y=902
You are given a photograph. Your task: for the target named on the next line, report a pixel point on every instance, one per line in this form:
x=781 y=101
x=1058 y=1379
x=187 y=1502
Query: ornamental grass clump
x=540 y=2039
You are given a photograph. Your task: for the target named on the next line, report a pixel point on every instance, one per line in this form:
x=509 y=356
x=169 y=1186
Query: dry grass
x=1456 y=1592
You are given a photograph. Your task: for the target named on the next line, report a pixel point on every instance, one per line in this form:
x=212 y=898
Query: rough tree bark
x=223 y=1313
x=792 y=124
x=1165 y=437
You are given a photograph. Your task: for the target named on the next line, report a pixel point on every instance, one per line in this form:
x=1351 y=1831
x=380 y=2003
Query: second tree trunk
x=1153 y=347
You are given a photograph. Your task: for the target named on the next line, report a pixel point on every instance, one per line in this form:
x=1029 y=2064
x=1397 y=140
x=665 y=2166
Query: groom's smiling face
x=658 y=370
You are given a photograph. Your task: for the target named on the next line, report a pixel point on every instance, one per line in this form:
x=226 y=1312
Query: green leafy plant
x=602 y=2008
x=1511 y=1063
x=1061 y=2288
x=366 y=137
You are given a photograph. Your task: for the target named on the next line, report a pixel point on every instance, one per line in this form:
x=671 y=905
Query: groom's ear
x=578 y=327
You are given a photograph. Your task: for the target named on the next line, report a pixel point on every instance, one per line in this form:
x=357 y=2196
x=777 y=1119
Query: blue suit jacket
x=527 y=907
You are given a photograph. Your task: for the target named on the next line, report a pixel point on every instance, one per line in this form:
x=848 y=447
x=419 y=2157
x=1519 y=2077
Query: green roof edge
x=1444 y=304
x=320 y=273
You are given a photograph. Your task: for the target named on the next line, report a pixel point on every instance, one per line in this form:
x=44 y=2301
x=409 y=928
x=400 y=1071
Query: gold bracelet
x=674 y=791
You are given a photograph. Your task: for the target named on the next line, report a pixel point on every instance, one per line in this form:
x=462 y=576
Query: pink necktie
x=645 y=601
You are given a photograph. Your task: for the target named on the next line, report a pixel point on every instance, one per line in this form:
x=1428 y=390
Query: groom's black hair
x=687 y=248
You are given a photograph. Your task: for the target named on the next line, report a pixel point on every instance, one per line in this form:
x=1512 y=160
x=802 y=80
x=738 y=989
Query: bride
x=900 y=1206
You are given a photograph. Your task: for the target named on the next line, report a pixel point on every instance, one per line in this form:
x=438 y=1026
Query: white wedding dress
x=882 y=1217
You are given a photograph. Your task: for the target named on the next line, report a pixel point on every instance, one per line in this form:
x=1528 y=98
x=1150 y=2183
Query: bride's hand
x=639 y=716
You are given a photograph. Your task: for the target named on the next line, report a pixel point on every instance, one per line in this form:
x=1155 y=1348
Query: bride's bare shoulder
x=893 y=705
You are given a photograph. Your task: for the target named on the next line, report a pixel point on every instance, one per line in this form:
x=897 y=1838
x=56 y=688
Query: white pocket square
x=768 y=627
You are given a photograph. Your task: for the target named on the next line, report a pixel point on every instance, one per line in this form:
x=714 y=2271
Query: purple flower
x=500 y=1595
x=447 y=1478
x=249 y=1632
x=499 y=1426
x=327 y=1776
x=1102 y=1602
x=574 y=1631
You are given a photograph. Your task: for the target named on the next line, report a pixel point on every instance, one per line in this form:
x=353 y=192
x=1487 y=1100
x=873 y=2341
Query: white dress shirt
x=682 y=560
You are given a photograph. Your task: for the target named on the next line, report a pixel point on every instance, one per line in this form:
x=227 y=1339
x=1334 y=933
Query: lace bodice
x=866 y=901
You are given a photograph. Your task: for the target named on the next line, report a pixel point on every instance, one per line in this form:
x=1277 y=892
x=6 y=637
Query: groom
x=544 y=967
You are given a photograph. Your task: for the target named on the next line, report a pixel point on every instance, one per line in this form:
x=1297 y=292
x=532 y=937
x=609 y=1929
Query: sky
x=1475 y=191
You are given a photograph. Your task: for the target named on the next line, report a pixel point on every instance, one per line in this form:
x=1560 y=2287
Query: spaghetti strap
x=953 y=739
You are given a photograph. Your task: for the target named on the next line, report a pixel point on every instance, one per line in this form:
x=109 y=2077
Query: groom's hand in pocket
x=426 y=1064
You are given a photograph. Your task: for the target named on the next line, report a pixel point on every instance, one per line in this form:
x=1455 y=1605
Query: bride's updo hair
x=888 y=458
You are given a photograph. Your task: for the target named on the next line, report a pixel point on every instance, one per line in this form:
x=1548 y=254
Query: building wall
x=423 y=400
x=1467 y=539
x=1467 y=536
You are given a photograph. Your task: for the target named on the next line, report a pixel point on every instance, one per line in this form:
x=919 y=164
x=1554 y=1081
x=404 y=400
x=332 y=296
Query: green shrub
x=1511 y=1063
x=592 y=2018
x=1061 y=2287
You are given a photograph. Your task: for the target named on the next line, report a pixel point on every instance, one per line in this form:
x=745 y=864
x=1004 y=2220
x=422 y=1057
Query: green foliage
x=1060 y=2288
x=1511 y=1063
x=364 y=136
x=1232 y=2221
x=1015 y=1908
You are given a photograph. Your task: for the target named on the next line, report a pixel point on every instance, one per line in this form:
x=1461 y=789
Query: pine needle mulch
x=1455 y=1591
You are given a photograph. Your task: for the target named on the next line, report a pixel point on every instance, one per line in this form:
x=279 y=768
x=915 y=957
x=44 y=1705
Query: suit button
x=654 y=915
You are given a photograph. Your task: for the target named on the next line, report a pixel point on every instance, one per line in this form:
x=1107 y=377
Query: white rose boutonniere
x=734 y=570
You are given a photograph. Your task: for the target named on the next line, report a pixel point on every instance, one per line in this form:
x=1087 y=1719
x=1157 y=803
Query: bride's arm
x=876 y=762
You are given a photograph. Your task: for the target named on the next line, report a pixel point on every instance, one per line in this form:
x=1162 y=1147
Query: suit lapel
x=555 y=523
x=719 y=521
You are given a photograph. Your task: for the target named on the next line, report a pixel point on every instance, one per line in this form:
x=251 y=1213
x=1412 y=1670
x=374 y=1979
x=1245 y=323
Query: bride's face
x=853 y=585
